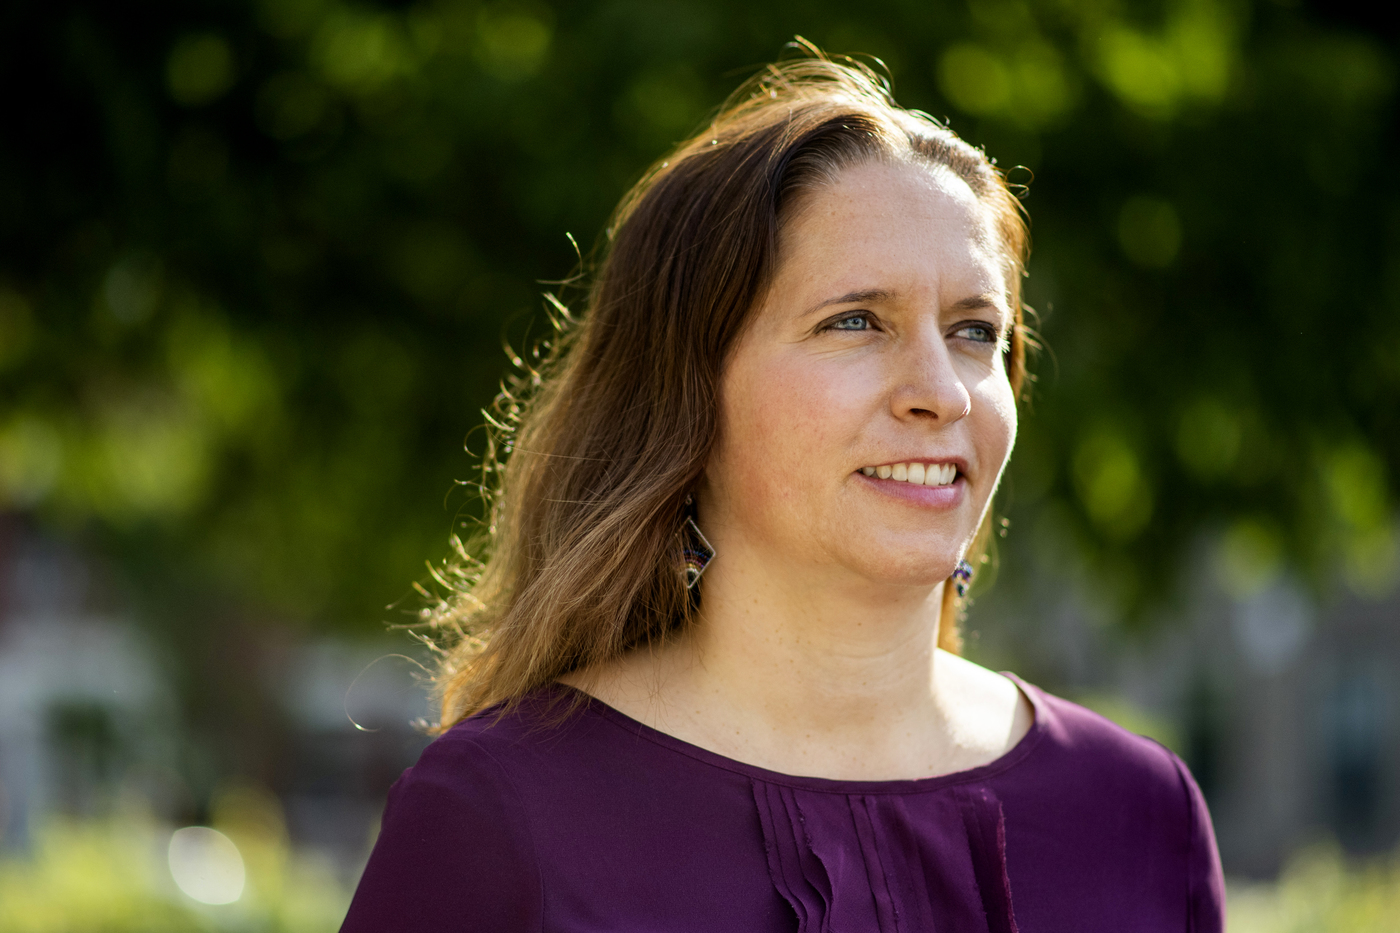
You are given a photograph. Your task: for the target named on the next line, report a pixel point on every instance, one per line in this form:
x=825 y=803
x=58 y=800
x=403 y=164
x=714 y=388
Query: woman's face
x=866 y=414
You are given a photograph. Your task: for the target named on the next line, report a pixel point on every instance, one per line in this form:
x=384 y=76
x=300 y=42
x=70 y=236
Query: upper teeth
x=932 y=474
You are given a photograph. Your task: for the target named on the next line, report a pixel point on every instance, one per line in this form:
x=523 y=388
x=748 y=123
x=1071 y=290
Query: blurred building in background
x=81 y=697
x=1288 y=712
x=1286 y=709
x=90 y=719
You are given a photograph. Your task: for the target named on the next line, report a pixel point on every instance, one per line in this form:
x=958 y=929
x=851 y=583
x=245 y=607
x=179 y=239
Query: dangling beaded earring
x=962 y=576
x=696 y=548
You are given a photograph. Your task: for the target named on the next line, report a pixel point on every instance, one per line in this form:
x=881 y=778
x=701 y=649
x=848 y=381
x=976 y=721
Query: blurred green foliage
x=1320 y=892
x=111 y=875
x=1134 y=718
x=259 y=259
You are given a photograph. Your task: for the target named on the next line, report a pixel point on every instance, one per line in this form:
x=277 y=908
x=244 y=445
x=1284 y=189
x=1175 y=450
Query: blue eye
x=854 y=322
x=982 y=333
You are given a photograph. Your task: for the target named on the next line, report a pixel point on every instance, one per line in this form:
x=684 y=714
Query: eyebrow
x=874 y=294
x=976 y=303
x=973 y=303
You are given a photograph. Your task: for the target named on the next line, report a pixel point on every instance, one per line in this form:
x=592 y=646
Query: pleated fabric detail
x=888 y=863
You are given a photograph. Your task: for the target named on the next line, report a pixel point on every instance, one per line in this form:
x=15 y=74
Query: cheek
x=995 y=404
x=785 y=426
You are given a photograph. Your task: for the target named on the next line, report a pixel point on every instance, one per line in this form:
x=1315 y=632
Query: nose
x=927 y=385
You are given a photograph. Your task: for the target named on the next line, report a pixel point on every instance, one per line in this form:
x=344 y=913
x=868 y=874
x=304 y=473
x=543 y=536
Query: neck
x=809 y=670
x=810 y=653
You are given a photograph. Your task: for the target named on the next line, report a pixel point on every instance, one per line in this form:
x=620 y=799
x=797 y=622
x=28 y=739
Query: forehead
x=893 y=217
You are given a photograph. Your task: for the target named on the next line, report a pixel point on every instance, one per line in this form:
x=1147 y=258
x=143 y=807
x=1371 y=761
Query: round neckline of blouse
x=1015 y=755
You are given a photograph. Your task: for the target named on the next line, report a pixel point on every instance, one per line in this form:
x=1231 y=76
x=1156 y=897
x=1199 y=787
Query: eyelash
x=993 y=335
x=861 y=316
x=992 y=332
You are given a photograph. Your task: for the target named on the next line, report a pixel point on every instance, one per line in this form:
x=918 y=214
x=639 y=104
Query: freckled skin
x=879 y=341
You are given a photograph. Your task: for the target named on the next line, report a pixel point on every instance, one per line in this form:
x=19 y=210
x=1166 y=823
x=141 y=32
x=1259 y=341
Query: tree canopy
x=260 y=259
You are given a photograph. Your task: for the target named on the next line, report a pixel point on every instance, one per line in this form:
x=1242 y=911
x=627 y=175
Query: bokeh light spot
x=1149 y=231
x=1112 y=486
x=1208 y=438
x=512 y=44
x=359 y=52
x=132 y=288
x=290 y=105
x=1250 y=558
x=31 y=455
x=206 y=865
x=16 y=326
x=200 y=69
x=974 y=79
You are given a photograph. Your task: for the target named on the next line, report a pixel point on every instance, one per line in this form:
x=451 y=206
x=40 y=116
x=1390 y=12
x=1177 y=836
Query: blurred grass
x=1320 y=891
x=111 y=876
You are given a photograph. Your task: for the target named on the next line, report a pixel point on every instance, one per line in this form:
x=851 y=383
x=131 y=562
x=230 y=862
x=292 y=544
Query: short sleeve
x=454 y=851
x=1205 y=880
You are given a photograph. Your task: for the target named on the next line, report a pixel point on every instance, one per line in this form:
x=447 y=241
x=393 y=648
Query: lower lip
x=933 y=497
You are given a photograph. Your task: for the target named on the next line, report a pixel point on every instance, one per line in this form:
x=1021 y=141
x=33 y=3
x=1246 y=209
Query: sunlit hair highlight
x=593 y=453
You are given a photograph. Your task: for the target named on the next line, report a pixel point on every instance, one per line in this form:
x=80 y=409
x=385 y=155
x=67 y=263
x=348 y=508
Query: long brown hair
x=594 y=453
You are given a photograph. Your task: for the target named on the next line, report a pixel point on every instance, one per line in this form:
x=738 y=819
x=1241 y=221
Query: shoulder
x=500 y=757
x=1115 y=810
x=1094 y=773
x=455 y=842
x=1077 y=739
x=467 y=763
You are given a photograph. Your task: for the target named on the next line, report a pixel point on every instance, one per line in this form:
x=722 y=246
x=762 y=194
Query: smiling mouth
x=920 y=474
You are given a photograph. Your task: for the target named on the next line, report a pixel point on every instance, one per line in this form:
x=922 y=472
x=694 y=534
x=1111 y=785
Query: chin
x=908 y=569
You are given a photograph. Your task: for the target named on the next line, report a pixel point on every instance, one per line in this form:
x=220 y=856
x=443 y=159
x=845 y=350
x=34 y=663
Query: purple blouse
x=599 y=823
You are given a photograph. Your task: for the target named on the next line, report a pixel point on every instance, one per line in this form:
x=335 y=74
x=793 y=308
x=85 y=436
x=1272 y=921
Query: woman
x=801 y=356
